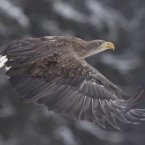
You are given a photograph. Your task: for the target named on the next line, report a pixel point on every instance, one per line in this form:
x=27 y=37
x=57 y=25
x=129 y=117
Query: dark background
x=119 y=21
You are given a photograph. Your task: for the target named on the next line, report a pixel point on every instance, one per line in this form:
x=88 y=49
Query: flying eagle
x=52 y=71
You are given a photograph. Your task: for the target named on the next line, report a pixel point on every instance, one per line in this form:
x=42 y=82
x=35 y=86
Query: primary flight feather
x=52 y=71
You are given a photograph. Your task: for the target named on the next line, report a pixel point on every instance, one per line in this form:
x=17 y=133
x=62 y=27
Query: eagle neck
x=80 y=47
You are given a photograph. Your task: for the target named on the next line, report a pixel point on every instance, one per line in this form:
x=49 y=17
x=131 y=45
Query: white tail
x=3 y=60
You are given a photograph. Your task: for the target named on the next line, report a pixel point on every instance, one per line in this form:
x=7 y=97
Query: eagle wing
x=66 y=84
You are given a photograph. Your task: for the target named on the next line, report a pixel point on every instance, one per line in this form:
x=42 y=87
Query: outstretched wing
x=53 y=75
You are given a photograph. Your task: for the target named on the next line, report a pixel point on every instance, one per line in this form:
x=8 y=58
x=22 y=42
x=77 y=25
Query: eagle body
x=52 y=71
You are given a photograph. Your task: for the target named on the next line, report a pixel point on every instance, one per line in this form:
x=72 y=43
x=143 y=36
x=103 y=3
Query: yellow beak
x=108 y=45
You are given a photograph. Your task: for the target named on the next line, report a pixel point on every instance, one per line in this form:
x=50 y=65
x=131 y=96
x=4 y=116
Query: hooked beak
x=108 y=45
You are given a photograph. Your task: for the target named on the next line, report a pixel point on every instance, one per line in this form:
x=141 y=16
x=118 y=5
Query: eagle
x=51 y=70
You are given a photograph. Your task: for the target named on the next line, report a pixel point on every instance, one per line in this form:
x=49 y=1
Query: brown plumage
x=52 y=71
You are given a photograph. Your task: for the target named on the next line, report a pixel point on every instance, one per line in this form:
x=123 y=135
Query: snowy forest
x=119 y=21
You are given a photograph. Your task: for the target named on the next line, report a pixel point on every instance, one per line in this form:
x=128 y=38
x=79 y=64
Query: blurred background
x=119 y=21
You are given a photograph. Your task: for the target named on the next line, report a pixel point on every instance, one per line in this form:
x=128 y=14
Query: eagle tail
x=3 y=60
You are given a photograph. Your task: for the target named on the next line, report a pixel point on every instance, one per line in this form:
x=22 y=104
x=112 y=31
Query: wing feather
x=63 y=102
x=112 y=122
